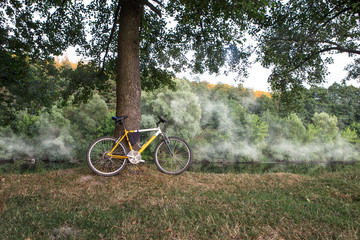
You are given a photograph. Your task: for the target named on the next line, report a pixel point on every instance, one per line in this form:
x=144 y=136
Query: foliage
x=25 y=85
x=216 y=120
x=213 y=32
x=296 y=34
x=294 y=130
x=326 y=127
x=259 y=129
x=263 y=104
x=58 y=135
x=180 y=107
x=30 y=33
x=339 y=100
x=350 y=135
x=355 y=127
x=211 y=29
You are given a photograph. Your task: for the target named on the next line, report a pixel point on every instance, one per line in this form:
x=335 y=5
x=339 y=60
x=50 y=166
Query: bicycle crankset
x=134 y=157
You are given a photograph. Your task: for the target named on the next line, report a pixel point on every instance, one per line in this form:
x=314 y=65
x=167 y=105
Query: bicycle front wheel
x=102 y=164
x=173 y=157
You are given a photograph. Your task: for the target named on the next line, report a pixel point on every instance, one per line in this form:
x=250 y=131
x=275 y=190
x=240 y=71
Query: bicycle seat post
x=123 y=123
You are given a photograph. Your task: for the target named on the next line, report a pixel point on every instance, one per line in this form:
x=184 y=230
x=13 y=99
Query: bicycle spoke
x=98 y=160
x=176 y=162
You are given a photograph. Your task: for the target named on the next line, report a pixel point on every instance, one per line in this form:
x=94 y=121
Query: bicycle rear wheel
x=102 y=164
x=174 y=157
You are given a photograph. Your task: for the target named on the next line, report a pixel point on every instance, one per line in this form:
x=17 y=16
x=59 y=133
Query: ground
x=146 y=204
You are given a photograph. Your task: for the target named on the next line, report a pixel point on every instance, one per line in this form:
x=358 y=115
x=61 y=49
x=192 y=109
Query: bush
x=350 y=135
x=181 y=108
x=325 y=127
x=57 y=135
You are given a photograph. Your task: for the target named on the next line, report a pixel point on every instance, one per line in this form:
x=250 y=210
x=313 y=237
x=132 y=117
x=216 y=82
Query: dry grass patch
x=152 y=186
x=148 y=204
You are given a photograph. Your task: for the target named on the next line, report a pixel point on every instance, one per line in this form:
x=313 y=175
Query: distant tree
x=344 y=103
x=294 y=129
x=25 y=85
x=263 y=104
x=316 y=101
x=288 y=102
x=181 y=108
x=350 y=135
x=325 y=127
x=356 y=127
x=258 y=129
x=339 y=100
x=275 y=127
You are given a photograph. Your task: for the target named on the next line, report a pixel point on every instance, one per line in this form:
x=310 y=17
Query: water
x=21 y=166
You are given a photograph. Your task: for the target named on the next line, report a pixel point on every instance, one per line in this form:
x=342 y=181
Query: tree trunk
x=128 y=85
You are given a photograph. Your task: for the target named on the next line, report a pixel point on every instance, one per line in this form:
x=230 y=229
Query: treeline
x=338 y=100
x=228 y=124
x=222 y=124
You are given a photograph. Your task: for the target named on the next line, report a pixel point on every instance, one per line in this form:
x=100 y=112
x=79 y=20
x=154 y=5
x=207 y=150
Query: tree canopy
x=299 y=36
x=119 y=35
x=143 y=43
x=31 y=34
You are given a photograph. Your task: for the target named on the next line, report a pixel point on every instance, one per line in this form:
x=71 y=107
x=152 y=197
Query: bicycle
x=108 y=156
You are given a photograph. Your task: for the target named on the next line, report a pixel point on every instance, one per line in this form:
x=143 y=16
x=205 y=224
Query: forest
x=132 y=51
x=222 y=123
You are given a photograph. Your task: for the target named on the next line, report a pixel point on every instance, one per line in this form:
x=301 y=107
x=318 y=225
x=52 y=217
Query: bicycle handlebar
x=161 y=120
x=122 y=118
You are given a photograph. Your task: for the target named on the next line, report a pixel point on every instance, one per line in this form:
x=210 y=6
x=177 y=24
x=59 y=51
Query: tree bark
x=128 y=85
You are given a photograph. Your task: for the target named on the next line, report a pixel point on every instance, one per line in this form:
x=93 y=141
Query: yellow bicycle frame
x=109 y=154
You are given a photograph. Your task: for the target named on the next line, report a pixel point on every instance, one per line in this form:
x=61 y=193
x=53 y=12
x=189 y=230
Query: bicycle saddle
x=162 y=119
x=117 y=119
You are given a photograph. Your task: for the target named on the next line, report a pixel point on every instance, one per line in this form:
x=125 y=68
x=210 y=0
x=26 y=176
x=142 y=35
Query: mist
x=228 y=132
x=218 y=122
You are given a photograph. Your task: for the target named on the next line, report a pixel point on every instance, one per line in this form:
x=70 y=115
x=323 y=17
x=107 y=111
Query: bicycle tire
x=102 y=165
x=175 y=163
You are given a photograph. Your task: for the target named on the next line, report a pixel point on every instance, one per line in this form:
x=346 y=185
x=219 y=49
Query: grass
x=76 y=204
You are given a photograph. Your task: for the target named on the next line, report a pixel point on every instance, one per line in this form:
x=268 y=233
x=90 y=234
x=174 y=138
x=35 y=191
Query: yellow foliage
x=258 y=94
x=61 y=62
x=211 y=85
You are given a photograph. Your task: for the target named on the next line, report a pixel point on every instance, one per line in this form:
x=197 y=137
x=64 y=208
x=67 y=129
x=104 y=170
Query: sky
x=258 y=75
x=257 y=79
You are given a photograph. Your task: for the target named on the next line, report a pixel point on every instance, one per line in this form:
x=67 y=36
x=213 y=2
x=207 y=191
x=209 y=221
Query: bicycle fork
x=166 y=140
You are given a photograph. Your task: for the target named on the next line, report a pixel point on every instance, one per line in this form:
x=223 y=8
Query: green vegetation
x=299 y=47
x=223 y=124
x=76 y=204
x=142 y=44
x=52 y=111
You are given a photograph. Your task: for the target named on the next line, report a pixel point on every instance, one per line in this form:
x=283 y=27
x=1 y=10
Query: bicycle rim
x=176 y=161
x=102 y=164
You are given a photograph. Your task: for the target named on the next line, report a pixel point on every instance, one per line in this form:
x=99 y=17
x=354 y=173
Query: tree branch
x=142 y=17
x=61 y=6
x=333 y=17
x=111 y=33
x=299 y=64
x=338 y=47
x=152 y=7
x=158 y=2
